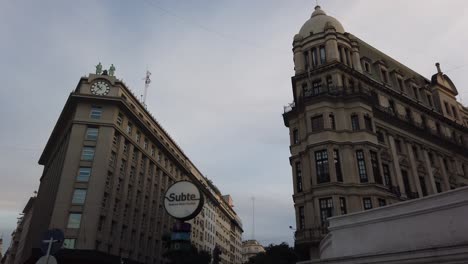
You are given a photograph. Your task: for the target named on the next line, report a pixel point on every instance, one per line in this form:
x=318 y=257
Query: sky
x=220 y=77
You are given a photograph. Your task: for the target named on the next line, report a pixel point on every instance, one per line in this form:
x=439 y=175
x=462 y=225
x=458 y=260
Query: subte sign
x=183 y=200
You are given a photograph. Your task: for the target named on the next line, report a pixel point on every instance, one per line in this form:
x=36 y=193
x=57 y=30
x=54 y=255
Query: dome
x=318 y=22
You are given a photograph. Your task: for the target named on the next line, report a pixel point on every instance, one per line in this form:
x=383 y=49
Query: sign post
x=183 y=201
x=52 y=241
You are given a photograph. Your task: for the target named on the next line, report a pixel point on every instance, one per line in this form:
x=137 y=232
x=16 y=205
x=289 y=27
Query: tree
x=192 y=256
x=275 y=254
x=217 y=255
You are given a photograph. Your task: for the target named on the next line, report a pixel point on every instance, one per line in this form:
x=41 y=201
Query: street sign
x=183 y=245
x=183 y=200
x=47 y=260
x=181 y=227
x=178 y=236
x=52 y=241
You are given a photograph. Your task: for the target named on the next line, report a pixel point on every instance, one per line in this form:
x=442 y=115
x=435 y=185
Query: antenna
x=147 y=83
x=253 y=217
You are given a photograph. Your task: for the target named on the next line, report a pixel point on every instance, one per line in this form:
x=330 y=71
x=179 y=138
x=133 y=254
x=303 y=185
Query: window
x=416 y=92
x=380 y=137
x=367 y=202
x=400 y=84
x=314 y=57
x=438 y=186
x=74 y=220
x=316 y=87
x=429 y=99
x=447 y=109
x=382 y=202
x=295 y=136
x=326 y=210
x=87 y=153
x=145 y=144
x=336 y=160
x=307 y=62
x=96 y=112
x=367 y=67
x=92 y=133
x=384 y=75
x=438 y=128
x=431 y=157
x=138 y=136
x=368 y=123
x=445 y=164
x=454 y=111
x=361 y=166
x=69 y=243
x=398 y=145
x=83 y=174
x=422 y=182
x=153 y=150
x=317 y=123
x=331 y=117
x=406 y=183
x=354 y=122
x=391 y=106
x=120 y=119
x=343 y=205
x=323 y=55
x=329 y=81
x=116 y=138
x=129 y=128
x=415 y=152
x=79 y=196
x=298 y=177
x=375 y=167
x=321 y=164
x=301 y=218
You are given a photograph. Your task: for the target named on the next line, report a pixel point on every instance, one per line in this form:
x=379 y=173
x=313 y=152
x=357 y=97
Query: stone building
x=107 y=165
x=365 y=130
x=250 y=248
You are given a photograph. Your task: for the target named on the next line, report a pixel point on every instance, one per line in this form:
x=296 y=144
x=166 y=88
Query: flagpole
x=147 y=82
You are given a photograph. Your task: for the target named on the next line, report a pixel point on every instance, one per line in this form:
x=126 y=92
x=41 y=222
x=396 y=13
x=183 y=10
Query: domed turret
x=318 y=22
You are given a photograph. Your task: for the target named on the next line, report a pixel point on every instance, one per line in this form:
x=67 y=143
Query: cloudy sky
x=221 y=75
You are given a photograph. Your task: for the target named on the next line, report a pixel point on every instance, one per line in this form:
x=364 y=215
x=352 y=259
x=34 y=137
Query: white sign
x=183 y=200
x=47 y=260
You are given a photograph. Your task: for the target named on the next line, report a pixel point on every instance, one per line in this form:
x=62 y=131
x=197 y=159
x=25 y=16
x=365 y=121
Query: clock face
x=100 y=88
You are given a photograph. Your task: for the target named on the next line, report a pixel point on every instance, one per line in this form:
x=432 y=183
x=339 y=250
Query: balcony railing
x=310 y=235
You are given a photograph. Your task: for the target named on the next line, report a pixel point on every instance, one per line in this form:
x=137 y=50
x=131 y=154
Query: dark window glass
x=323 y=55
x=422 y=181
x=415 y=92
x=391 y=105
x=355 y=122
x=307 y=61
x=316 y=87
x=83 y=174
x=400 y=84
x=431 y=157
x=438 y=128
x=384 y=76
x=96 y=112
x=314 y=57
x=332 y=121
x=298 y=177
x=447 y=109
x=429 y=100
x=375 y=167
x=415 y=152
x=368 y=123
x=454 y=111
x=87 y=153
x=321 y=164
x=317 y=123
x=445 y=164
x=295 y=136
x=398 y=145
x=423 y=122
x=438 y=187
x=336 y=160
x=361 y=166
x=301 y=218
x=382 y=202
x=406 y=182
x=343 y=205
x=92 y=133
x=380 y=137
x=386 y=174
x=367 y=202
x=326 y=210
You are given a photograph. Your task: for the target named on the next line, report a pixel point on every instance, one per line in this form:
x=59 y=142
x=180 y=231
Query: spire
x=438 y=67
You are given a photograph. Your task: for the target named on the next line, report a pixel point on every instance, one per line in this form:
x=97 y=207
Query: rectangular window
x=145 y=144
x=69 y=243
x=438 y=186
x=129 y=128
x=400 y=84
x=429 y=100
x=415 y=152
x=454 y=111
x=301 y=218
x=307 y=60
x=380 y=137
x=316 y=87
x=368 y=123
x=367 y=202
x=398 y=145
x=112 y=159
x=323 y=55
x=317 y=123
x=295 y=136
x=96 y=112
x=138 y=136
x=375 y=167
x=415 y=92
x=87 y=153
x=343 y=206
x=92 y=133
x=384 y=75
x=422 y=182
x=406 y=183
x=152 y=150
x=74 y=220
x=79 y=196
x=298 y=177
x=382 y=202
x=332 y=121
x=447 y=109
x=321 y=165
x=336 y=160
x=355 y=122
x=326 y=210
x=116 y=138
x=83 y=174
x=386 y=174
x=366 y=66
x=120 y=119
x=361 y=166
x=314 y=57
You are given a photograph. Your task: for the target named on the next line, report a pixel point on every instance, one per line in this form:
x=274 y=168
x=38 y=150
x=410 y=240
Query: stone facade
x=251 y=248
x=365 y=130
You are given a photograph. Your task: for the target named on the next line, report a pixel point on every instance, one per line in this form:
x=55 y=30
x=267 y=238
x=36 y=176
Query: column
x=331 y=163
x=331 y=45
x=343 y=55
x=369 y=168
x=432 y=186
x=355 y=56
x=445 y=175
x=396 y=166
x=349 y=165
x=414 y=169
x=299 y=61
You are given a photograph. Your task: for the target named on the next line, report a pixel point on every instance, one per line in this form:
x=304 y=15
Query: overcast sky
x=221 y=75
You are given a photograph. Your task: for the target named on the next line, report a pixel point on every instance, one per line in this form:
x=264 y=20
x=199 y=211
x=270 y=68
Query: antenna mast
x=253 y=217
x=147 y=83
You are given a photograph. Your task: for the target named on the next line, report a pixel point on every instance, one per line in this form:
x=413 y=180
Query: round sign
x=47 y=260
x=183 y=200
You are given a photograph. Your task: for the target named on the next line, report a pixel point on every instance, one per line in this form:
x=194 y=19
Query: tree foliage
x=192 y=256
x=275 y=254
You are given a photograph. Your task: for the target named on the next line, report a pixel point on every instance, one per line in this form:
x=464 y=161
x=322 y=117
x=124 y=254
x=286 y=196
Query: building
x=358 y=237
x=251 y=248
x=365 y=130
x=107 y=165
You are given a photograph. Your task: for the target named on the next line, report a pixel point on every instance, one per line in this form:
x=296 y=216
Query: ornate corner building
x=365 y=130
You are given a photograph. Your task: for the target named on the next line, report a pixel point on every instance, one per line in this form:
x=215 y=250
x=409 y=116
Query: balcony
x=310 y=235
